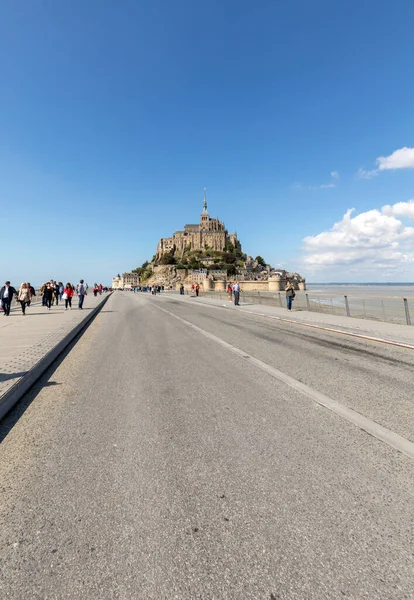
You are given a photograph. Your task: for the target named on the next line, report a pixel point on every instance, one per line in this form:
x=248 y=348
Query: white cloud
x=334 y=174
x=403 y=158
x=400 y=159
x=371 y=242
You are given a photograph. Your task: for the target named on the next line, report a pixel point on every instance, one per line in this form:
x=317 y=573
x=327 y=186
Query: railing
x=377 y=308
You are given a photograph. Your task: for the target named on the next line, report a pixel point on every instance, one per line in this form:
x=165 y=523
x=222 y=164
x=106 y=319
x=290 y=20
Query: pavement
x=27 y=340
x=168 y=454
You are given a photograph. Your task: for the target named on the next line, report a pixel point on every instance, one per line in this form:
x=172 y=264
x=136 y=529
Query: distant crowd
x=51 y=293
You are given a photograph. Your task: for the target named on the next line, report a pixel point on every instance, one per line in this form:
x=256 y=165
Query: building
x=127 y=281
x=209 y=234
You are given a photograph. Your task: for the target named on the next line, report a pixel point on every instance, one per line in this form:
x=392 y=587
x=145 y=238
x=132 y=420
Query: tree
x=260 y=260
x=167 y=259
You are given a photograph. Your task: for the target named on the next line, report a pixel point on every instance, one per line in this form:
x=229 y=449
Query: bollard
x=308 y=303
x=407 y=311
x=280 y=301
x=348 y=314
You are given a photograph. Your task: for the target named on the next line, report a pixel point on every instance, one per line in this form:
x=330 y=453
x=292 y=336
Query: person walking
x=61 y=290
x=32 y=292
x=42 y=293
x=68 y=295
x=197 y=290
x=236 y=293
x=182 y=289
x=229 y=292
x=6 y=296
x=24 y=297
x=56 y=295
x=81 y=294
x=290 y=294
x=48 y=293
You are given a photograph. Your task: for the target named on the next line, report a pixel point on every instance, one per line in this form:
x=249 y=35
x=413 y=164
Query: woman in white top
x=24 y=296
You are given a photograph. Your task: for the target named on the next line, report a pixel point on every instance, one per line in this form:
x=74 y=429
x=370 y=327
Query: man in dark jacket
x=6 y=296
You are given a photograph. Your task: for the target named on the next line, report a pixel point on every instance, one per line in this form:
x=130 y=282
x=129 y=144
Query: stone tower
x=205 y=217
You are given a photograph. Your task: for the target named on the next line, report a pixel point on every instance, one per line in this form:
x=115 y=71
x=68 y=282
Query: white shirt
x=236 y=287
x=6 y=292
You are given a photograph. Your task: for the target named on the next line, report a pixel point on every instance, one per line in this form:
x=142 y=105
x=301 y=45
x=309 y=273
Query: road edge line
x=312 y=326
x=376 y=430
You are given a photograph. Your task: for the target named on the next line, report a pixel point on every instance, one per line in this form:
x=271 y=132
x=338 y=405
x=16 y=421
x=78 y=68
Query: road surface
x=156 y=460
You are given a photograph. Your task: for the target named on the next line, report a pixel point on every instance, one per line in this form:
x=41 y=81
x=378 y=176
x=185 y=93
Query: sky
x=298 y=118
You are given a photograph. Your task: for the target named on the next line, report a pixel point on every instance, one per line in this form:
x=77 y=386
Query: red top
x=69 y=292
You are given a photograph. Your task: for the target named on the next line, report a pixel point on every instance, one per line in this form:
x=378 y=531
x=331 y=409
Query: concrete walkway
x=387 y=332
x=26 y=340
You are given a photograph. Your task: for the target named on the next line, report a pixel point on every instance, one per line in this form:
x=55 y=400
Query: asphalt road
x=153 y=462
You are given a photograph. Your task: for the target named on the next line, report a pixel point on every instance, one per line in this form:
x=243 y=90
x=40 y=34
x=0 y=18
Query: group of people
x=234 y=292
x=51 y=292
x=23 y=296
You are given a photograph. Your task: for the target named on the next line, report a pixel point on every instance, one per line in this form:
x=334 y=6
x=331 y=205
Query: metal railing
x=377 y=308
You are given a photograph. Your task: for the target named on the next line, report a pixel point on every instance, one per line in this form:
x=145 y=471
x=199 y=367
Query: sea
x=378 y=301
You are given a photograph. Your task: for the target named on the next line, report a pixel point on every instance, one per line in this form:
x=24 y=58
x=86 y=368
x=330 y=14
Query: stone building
x=127 y=281
x=208 y=234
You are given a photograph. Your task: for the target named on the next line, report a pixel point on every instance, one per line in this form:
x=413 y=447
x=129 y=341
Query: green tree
x=260 y=260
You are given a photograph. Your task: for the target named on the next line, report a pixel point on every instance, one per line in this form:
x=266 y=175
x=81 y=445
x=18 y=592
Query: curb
x=15 y=393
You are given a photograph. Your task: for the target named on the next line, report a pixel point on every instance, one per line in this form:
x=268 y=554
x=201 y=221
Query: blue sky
x=115 y=116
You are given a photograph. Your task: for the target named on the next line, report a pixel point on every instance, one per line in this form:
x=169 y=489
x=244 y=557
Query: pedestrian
x=6 y=296
x=290 y=294
x=24 y=296
x=197 y=290
x=32 y=292
x=55 y=287
x=229 y=292
x=81 y=294
x=48 y=295
x=42 y=293
x=68 y=295
x=182 y=289
x=61 y=290
x=95 y=289
x=236 y=293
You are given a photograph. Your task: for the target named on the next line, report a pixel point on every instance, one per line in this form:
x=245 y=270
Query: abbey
x=209 y=234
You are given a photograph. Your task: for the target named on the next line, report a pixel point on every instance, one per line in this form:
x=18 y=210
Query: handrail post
x=407 y=312
x=348 y=314
x=308 y=303
x=280 y=301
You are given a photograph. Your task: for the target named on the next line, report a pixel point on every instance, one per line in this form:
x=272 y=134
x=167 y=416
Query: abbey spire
x=205 y=211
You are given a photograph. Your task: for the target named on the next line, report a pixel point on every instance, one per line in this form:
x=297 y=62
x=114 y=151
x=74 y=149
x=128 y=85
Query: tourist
x=236 y=293
x=6 y=296
x=68 y=295
x=61 y=290
x=81 y=294
x=32 y=292
x=290 y=294
x=95 y=289
x=229 y=292
x=182 y=289
x=197 y=289
x=24 y=297
x=42 y=293
x=48 y=295
x=55 y=287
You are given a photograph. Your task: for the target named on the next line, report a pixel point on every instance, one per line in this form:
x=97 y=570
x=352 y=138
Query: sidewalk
x=30 y=343
x=385 y=332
